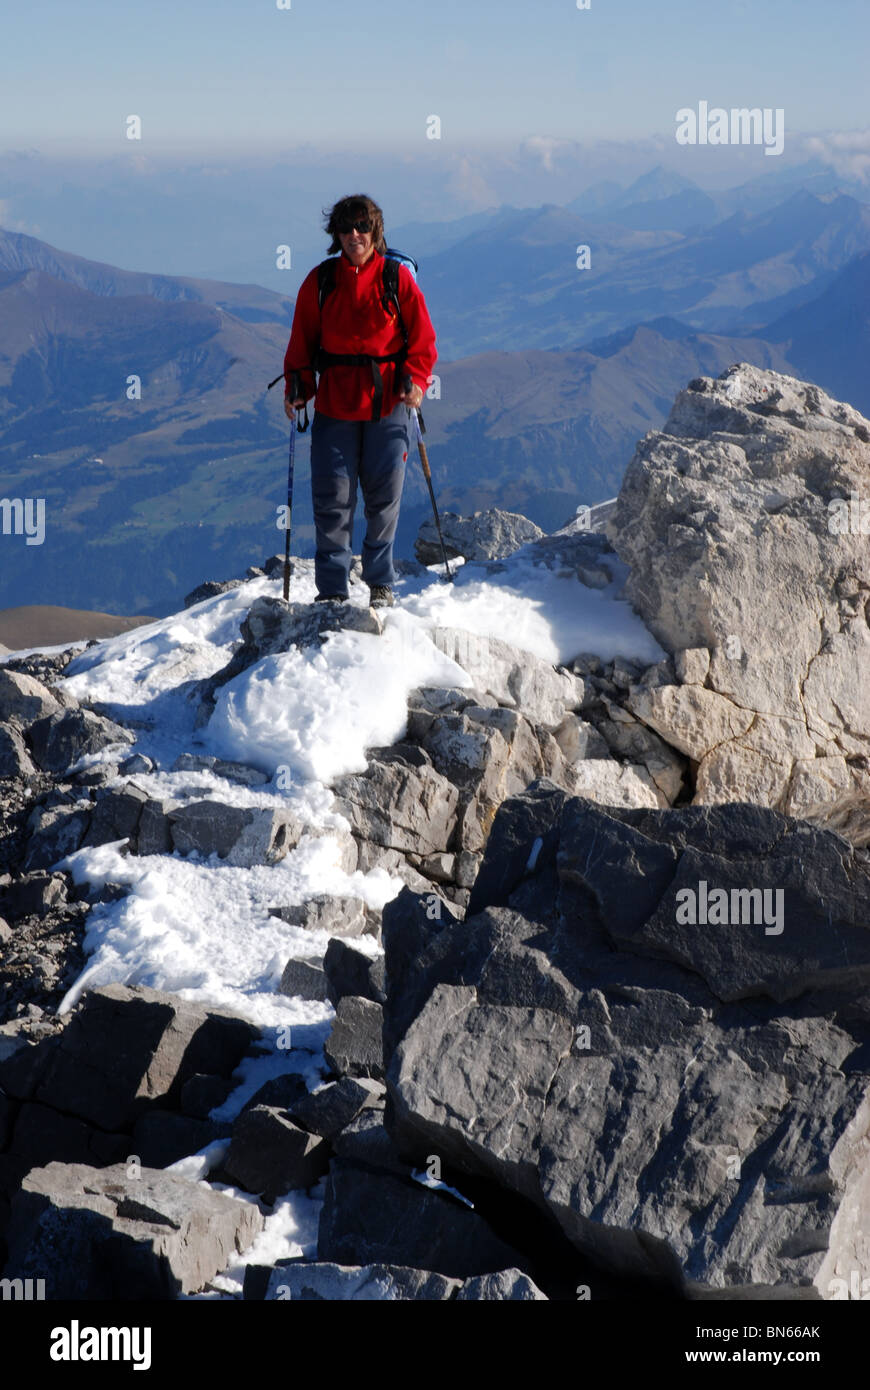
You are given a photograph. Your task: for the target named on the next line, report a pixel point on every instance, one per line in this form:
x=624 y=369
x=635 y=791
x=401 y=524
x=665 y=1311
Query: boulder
x=280 y=1092
x=103 y=1234
x=154 y=832
x=326 y=912
x=137 y=763
x=15 y=761
x=748 y=562
x=25 y=699
x=398 y=806
x=617 y=784
x=210 y=588
x=161 y=1137
x=59 y=740
x=270 y=1155
x=127 y=1050
x=304 y=978
x=34 y=895
x=489 y=535
x=331 y=1109
x=354 y=1047
x=55 y=832
x=675 y=1069
x=579 y=740
x=42 y=1135
x=240 y=835
x=116 y=815
x=352 y=972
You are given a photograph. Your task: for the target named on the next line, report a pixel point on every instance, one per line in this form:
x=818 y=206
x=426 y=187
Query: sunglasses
x=363 y=227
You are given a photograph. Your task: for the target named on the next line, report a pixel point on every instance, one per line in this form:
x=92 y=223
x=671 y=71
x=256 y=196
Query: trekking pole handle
x=407 y=383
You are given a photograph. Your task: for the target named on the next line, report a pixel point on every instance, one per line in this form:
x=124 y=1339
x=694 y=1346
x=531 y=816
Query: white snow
x=303 y=717
x=202 y=929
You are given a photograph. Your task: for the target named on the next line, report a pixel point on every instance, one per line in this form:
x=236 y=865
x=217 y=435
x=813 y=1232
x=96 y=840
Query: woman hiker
x=346 y=328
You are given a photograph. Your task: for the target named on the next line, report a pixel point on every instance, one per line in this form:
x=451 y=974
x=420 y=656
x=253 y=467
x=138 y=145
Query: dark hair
x=352 y=208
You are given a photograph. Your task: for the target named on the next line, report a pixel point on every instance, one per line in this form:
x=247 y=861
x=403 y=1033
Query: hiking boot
x=331 y=598
x=380 y=596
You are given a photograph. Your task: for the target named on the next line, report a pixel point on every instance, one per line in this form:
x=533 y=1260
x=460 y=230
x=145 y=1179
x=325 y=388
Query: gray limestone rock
x=242 y=836
x=487 y=535
x=746 y=561
x=102 y=1234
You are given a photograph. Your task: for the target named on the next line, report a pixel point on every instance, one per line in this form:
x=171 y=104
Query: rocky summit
x=513 y=944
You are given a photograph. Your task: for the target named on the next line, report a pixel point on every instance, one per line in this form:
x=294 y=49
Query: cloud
x=545 y=146
x=847 y=151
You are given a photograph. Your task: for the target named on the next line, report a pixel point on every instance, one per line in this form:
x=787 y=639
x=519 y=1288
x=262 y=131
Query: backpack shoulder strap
x=390 y=292
x=325 y=279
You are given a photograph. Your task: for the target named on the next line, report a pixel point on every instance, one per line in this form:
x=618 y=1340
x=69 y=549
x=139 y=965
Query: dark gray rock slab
x=355 y=1047
x=55 y=832
x=42 y=1135
x=126 y=1050
x=35 y=894
x=270 y=1155
x=686 y=1099
x=352 y=972
x=116 y=815
x=305 y=978
x=379 y=1218
x=59 y=740
x=161 y=1137
x=210 y=588
x=331 y=1109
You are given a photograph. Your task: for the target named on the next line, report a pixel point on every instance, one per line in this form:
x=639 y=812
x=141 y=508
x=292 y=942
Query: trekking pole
x=427 y=473
x=289 y=508
x=295 y=394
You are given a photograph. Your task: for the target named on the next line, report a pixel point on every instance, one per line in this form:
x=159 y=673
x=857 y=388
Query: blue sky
x=207 y=76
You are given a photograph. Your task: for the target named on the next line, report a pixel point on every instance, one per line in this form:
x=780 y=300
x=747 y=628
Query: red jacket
x=354 y=321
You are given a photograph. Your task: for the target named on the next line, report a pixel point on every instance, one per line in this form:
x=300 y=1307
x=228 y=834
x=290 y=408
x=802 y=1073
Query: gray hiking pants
x=372 y=453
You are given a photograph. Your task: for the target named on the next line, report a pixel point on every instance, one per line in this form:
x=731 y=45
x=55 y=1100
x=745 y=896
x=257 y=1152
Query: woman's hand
x=412 y=397
x=291 y=407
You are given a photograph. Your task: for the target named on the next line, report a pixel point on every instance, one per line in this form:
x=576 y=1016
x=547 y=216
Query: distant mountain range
x=144 y=496
x=515 y=283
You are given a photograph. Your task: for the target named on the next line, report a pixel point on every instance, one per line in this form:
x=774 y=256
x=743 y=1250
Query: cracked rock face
x=688 y=1096
x=745 y=522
